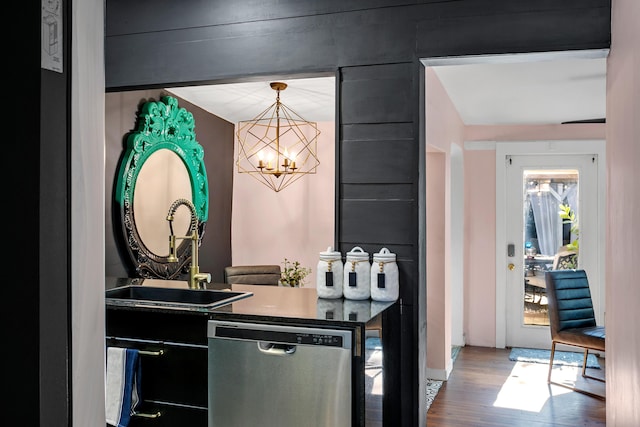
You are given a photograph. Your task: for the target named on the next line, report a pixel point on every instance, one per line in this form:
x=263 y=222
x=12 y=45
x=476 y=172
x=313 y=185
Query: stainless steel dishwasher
x=277 y=375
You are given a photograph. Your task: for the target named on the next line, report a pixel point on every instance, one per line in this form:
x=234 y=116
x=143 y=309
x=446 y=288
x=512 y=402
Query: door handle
x=511 y=266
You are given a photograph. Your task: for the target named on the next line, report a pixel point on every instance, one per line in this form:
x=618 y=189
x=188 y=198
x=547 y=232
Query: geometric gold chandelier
x=278 y=146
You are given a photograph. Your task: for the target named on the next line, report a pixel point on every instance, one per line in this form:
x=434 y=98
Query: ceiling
x=313 y=99
x=540 y=92
x=533 y=93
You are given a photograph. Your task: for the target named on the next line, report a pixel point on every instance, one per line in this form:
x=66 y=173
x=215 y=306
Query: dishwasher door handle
x=276 y=349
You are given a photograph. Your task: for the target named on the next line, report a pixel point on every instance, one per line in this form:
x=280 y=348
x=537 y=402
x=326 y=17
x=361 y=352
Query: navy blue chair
x=572 y=318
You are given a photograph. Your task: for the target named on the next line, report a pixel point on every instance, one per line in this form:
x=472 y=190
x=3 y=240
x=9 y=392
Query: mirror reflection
x=162 y=179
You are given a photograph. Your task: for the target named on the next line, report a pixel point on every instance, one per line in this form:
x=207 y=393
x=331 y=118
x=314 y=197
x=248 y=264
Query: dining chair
x=565 y=260
x=572 y=319
x=562 y=260
x=252 y=274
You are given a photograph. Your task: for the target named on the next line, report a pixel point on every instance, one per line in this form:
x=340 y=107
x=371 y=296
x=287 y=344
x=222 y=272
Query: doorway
x=507 y=98
x=533 y=186
x=547 y=197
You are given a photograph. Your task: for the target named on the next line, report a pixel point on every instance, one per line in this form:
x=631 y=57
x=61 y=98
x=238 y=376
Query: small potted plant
x=293 y=274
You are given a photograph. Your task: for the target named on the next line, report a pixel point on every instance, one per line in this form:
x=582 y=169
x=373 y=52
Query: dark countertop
x=270 y=305
x=275 y=302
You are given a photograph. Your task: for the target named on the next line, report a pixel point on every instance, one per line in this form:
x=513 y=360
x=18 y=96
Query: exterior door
x=551 y=216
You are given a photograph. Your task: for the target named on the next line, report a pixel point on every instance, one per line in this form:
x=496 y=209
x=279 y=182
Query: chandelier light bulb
x=293 y=162
x=285 y=162
x=261 y=159
x=269 y=161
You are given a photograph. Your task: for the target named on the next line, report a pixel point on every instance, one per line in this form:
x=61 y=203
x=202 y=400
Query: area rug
x=433 y=387
x=566 y=358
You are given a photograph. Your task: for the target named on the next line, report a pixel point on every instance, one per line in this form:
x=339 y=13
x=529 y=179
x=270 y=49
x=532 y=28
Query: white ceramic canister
x=384 y=276
x=329 y=274
x=357 y=270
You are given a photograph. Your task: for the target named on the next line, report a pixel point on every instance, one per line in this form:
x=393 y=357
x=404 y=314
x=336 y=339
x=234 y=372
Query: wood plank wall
x=374 y=48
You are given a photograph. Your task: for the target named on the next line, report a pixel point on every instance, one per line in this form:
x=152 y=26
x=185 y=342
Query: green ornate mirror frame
x=161 y=125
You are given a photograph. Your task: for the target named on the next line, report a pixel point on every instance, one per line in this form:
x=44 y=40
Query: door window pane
x=550 y=229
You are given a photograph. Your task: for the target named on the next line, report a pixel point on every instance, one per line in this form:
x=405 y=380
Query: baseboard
x=440 y=374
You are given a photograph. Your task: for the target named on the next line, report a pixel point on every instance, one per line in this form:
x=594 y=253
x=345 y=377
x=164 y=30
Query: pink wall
x=480 y=248
x=438 y=303
x=535 y=133
x=296 y=223
x=443 y=128
x=623 y=216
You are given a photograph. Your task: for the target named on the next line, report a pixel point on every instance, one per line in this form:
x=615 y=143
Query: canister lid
x=330 y=255
x=384 y=255
x=357 y=254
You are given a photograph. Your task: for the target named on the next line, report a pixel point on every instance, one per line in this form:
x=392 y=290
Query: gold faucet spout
x=196 y=278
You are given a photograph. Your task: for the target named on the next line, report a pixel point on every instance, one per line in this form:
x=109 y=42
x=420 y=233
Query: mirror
x=162 y=179
x=162 y=162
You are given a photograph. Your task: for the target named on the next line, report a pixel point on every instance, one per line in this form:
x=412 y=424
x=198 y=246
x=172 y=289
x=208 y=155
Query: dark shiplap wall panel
x=377 y=161
x=489 y=26
x=377 y=221
x=367 y=132
x=174 y=43
x=403 y=252
x=218 y=52
x=408 y=273
x=377 y=153
x=155 y=44
x=377 y=94
x=383 y=153
x=378 y=171
x=174 y=14
x=378 y=191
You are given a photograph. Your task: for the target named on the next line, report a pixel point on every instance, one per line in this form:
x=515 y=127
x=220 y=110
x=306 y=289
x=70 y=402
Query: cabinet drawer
x=170 y=372
x=160 y=326
x=169 y=416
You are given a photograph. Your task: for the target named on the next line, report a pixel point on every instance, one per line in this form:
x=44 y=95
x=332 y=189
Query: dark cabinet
x=173 y=358
x=177 y=360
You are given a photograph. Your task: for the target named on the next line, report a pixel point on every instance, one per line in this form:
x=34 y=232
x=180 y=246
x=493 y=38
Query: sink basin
x=137 y=295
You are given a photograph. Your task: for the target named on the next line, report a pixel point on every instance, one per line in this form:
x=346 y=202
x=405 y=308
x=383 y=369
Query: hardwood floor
x=485 y=388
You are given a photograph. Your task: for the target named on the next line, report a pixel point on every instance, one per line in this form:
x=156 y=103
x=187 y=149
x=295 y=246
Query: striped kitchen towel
x=122 y=385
